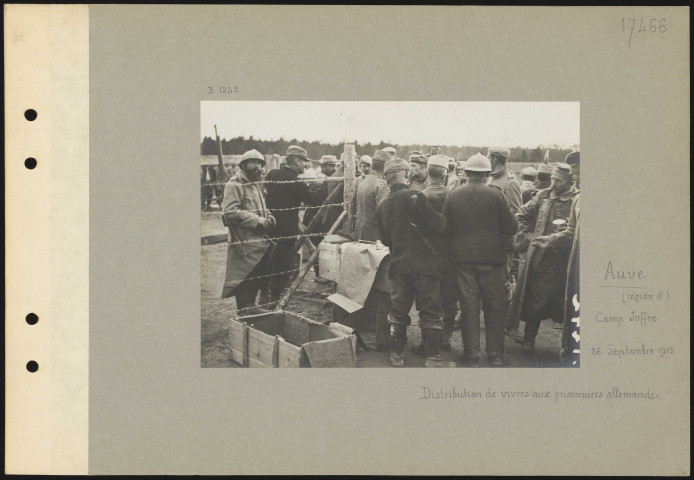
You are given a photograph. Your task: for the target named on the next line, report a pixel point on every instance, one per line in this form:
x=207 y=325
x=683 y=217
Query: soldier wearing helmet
x=479 y=218
x=249 y=221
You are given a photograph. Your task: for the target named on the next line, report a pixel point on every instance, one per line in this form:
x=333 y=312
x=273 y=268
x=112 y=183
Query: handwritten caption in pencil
x=643 y=26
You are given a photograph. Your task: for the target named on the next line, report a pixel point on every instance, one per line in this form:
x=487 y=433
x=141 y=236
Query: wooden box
x=371 y=321
x=285 y=340
x=329 y=260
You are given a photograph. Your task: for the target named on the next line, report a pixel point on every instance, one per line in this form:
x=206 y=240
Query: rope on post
x=349 y=157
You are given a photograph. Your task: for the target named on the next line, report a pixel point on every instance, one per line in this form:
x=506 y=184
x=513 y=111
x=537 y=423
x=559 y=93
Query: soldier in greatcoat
x=407 y=223
x=371 y=191
x=542 y=280
x=569 y=240
x=479 y=218
x=249 y=222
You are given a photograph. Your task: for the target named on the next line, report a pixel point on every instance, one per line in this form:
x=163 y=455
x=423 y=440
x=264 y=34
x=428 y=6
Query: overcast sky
x=512 y=124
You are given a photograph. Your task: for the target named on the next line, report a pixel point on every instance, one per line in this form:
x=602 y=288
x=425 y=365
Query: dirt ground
x=310 y=301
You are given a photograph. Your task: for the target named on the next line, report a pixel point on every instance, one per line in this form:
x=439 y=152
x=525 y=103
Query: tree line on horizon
x=316 y=149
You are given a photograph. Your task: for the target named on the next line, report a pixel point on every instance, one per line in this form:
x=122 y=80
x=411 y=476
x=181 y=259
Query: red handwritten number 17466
x=653 y=25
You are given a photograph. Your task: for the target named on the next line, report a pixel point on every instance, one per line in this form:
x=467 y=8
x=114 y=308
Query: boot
x=470 y=362
x=496 y=360
x=398 y=335
x=397 y=360
x=528 y=346
x=431 y=339
x=420 y=349
x=446 y=335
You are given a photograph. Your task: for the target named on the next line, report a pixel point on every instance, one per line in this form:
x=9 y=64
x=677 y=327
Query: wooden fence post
x=349 y=157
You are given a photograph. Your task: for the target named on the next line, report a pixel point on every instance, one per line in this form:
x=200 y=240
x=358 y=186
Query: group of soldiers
x=463 y=236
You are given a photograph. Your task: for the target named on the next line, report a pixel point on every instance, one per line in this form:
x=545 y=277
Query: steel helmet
x=252 y=154
x=478 y=163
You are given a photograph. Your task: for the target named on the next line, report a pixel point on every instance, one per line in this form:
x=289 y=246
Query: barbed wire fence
x=302 y=238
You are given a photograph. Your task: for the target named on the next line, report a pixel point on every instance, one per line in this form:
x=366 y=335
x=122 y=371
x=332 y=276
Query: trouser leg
x=491 y=283
x=247 y=291
x=428 y=301
x=402 y=293
x=469 y=308
x=281 y=262
x=449 y=304
x=542 y=293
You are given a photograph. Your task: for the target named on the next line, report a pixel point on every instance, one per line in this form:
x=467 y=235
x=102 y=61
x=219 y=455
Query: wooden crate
x=286 y=340
x=329 y=260
x=371 y=321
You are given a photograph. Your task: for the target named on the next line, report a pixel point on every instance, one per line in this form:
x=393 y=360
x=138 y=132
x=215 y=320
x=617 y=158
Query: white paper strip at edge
x=47 y=238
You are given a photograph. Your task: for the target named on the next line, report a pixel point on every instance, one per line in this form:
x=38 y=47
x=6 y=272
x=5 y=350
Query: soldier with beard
x=249 y=222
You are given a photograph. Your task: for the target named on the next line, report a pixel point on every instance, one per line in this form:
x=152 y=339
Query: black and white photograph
x=390 y=234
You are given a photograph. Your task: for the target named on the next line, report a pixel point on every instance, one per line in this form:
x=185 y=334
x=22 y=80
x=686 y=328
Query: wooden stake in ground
x=304 y=270
x=222 y=173
x=349 y=157
x=314 y=221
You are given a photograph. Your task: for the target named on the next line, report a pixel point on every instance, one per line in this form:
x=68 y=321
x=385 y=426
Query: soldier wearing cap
x=328 y=163
x=569 y=240
x=290 y=193
x=391 y=151
x=479 y=218
x=319 y=192
x=528 y=177
x=371 y=191
x=503 y=178
x=364 y=168
x=312 y=170
x=408 y=224
x=451 y=179
x=418 y=171
x=544 y=177
x=436 y=193
x=460 y=171
x=249 y=221
x=542 y=280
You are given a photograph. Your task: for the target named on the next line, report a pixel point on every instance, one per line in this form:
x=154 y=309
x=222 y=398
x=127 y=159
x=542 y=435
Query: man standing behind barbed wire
x=371 y=191
x=479 y=218
x=407 y=223
x=283 y=199
x=249 y=222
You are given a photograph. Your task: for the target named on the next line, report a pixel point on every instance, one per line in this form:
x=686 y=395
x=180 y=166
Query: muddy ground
x=310 y=301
